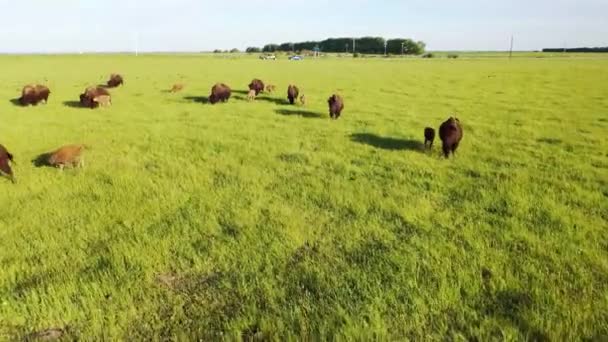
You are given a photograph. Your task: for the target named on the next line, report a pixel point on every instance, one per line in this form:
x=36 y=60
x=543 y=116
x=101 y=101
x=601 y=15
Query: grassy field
x=269 y=221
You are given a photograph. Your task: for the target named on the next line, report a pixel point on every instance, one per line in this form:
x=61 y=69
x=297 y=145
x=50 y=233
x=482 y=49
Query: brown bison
x=34 y=94
x=450 y=133
x=270 y=88
x=303 y=100
x=69 y=155
x=429 y=137
x=115 y=81
x=5 y=159
x=219 y=92
x=256 y=85
x=292 y=93
x=87 y=99
x=336 y=105
x=103 y=100
x=177 y=88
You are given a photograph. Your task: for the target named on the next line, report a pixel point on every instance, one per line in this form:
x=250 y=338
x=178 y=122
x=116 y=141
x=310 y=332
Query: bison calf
x=336 y=105
x=270 y=88
x=177 y=88
x=251 y=95
x=292 y=93
x=450 y=133
x=115 y=81
x=69 y=155
x=220 y=93
x=103 y=100
x=257 y=86
x=87 y=99
x=5 y=159
x=33 y=94
x=429 y=137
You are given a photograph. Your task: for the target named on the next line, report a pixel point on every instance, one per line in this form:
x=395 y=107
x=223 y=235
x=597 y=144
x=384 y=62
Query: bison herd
x=450 y=131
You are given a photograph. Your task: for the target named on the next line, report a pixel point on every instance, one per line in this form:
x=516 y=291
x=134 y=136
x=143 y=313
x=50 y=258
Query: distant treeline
x=364 y=45
x=584 y=49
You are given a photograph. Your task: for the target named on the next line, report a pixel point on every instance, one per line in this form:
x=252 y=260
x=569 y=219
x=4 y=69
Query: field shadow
x=15 y=102
x=197 y=99
x=73 y=104
x=42 y=160
x=272 y=100
x=387 y=143
x=299 y=112
x=242 y=92
x=550 y=141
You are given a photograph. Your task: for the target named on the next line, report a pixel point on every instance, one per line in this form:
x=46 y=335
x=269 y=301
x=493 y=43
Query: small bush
x=452 y=56
x=356 y=55
x=428 y=55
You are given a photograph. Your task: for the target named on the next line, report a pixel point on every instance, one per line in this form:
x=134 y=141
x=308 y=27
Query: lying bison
x=115 y=81
x=292 y=93
x=256 y=85
x=92 y=95
x=33 y=94
x=5 y=167
x=450 y=133
x=336 y=105
x=219 y=93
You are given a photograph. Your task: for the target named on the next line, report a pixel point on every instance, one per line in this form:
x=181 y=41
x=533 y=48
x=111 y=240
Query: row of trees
x=365 y=45
x=583 y=49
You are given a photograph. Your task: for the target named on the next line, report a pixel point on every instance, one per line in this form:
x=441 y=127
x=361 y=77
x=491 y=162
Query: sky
x=50 y=26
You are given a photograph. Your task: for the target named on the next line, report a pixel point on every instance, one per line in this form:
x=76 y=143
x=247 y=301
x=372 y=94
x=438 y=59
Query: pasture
x=261 y=220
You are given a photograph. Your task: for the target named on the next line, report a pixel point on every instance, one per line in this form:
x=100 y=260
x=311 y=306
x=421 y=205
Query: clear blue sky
x=195 y=25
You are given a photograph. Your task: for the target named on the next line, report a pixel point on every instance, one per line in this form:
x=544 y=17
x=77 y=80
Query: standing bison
x=336 y=105
x=92 y=95
x=115 y=81
x=429 y=137
x=5 y=167
x=34 y=94
x=256 y=85
x=220 y=93
x=450 y=133
x=292 y=93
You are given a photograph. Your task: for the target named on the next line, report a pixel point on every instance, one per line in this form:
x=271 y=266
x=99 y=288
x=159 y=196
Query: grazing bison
x=256 y=85
x=115 y=81
x=69 y=155
x=5 y=167
x=87 y=99
x=271 y=88
x=219 y=92
x=336 y=105
x=429 y=137
x=251 y=95
x=292 y=93
x=177 y=88
x=34 y=94
x=450 y=133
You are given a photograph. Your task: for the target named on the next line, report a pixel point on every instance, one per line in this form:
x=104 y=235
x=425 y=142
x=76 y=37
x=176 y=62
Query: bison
x=292 y=93
x=303 y=100
x=177 y=88
x=336 y=105
x=270 y=88
x=429 y=137
x=34 y=94
x=219 y=92
x=103 y=100
x=115 y=81
x=69 y=155
x=251 y=95
x=450 y=133
x=256 y=85
x=87 y=99
x=5 y=159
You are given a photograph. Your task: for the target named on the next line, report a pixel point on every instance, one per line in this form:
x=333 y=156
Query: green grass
x=262 y=220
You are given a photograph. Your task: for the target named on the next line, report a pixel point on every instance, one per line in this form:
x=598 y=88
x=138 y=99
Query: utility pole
x=511 y=49
x=354 y=45
x=385 y=45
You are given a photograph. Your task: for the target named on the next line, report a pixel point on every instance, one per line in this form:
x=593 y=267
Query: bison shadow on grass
x=73 y=104
x=387 y=143
x=197 y=99
x=16 y=102
x=299 y=112
x=42 y=160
